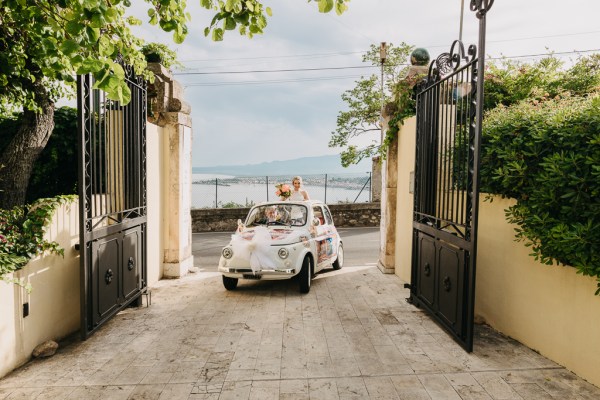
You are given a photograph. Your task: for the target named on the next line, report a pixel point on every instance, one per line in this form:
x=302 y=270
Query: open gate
x=449 y=115
x=112 y=200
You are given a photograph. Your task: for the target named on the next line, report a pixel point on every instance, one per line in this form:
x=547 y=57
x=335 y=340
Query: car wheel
x=339 y=262
x=230 y=283
x=305 y=275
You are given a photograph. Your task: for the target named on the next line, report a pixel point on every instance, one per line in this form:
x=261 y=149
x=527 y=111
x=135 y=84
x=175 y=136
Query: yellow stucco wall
x=54 y=300
x=404 y=207
x=551 y=309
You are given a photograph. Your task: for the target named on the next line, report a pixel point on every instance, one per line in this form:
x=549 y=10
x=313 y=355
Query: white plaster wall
x=53 y=302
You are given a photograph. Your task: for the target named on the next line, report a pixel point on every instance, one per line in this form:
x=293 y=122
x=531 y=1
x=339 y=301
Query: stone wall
x=225 y=219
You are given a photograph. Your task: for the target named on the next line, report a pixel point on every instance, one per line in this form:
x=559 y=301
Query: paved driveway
x=352 y=337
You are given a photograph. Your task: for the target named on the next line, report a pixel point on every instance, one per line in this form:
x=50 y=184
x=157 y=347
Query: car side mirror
x=240 y=225
x=316 y=222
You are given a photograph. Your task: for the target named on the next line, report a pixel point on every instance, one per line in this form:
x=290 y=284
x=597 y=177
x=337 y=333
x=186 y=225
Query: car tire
x=305 y=275
x=230 y=283
x=339 y=261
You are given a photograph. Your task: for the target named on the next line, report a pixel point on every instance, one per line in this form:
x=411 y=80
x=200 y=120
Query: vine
x=22 y=230
x=403 y=107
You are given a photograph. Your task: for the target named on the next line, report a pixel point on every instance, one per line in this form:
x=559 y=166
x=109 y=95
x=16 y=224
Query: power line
x=272 y=70
x=311 y=55
x=344 y=53
x=543 y=54
x=373 y=66
x=272 y=81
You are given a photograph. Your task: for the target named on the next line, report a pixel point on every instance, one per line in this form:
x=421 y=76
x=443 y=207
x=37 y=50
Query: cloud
x=295 y=112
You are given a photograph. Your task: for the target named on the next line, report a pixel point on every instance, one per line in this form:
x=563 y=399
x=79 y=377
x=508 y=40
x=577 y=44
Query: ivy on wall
x=22 y=232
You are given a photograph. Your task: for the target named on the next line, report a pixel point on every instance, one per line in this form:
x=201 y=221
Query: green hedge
x=546 y=155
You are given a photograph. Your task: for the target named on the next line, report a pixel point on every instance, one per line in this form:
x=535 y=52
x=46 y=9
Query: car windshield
x=277 y=214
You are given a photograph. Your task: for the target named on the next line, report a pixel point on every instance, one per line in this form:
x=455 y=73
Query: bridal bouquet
x=283 y=190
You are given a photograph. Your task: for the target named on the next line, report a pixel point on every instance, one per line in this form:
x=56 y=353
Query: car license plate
x=251 y=276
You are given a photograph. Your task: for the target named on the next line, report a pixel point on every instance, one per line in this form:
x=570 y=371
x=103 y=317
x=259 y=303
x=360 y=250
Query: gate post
x=389 y=181
x=172 y=113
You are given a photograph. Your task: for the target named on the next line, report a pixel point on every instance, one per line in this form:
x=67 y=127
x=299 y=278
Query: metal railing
x=245 y=191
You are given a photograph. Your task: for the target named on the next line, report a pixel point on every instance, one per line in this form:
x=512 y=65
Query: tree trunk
x=23 y=150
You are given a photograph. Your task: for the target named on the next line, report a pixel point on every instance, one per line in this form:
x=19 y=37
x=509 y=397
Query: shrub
x=546 y=155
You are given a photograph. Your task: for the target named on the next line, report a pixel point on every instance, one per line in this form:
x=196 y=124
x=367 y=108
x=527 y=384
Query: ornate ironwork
x=449 y=62
x=481 y=7
x=112 y=182
x=446 y=193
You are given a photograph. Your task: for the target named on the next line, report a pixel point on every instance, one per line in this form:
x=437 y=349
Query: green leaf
x=229 y=23
x=179 y=37
x=167 y=25
x=217 y=35
x=74 y=28
x=269 y=11
x=106 y=48
x=69 y=47
x=93 y=34
x=90 y=4
x=325 y=6
x=90 y=65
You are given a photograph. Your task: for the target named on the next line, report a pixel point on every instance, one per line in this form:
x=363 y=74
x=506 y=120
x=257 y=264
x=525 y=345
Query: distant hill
x=300 y=166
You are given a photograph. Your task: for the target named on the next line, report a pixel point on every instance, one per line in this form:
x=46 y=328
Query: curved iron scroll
x=447 y=63
x=481 y=6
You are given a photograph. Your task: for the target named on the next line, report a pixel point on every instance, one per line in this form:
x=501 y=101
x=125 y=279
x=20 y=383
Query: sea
x=224 y=191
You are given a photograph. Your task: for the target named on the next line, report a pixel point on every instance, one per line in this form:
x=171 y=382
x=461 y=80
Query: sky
x=253 y=117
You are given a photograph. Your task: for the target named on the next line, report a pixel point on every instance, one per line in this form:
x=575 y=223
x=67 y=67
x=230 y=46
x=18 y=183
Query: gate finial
x=481 y=6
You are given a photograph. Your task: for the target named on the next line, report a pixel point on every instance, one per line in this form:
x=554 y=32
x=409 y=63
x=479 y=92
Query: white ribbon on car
x=256 y=250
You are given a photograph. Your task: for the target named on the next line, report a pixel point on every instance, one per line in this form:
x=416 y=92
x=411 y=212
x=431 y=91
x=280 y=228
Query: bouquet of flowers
x=283 y=190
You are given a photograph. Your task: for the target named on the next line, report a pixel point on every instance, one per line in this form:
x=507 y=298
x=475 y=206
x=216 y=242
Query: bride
x=298 y=193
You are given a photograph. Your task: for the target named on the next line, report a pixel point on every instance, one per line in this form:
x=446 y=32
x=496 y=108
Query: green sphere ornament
x=419 y=56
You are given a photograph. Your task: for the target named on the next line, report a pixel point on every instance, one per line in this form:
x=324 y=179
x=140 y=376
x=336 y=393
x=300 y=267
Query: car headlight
x=227 y=252
x=283 y=253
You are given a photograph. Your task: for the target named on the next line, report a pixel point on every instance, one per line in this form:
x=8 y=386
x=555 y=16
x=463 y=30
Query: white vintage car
x=281 y=240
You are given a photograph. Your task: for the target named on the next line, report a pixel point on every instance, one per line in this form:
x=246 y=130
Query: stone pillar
x=169 y=110
x=387 y=243
x=376 y=179
x=389 y=194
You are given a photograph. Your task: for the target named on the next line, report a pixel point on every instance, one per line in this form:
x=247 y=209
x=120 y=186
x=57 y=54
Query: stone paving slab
x=352 y=337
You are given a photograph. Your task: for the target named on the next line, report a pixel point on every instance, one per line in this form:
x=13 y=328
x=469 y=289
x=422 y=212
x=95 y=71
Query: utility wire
x=324 y=78
x=374 y=66
x=272 y=70
x=344 y=53
x=543 y=54
x=311 y=55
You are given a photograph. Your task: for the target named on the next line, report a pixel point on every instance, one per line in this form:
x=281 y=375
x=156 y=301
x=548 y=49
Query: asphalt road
x=361 y=247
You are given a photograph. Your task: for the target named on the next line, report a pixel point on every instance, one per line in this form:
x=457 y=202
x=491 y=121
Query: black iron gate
x=449 y=114
x=112 y=200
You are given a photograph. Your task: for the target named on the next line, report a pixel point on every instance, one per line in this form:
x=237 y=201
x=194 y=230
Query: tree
x=364 y=104
x=44 y=43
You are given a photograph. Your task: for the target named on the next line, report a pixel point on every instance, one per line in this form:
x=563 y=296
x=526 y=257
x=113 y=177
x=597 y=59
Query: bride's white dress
x=296 y=196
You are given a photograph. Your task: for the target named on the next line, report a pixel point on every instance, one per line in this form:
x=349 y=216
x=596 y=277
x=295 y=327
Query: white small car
x=281 y=240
